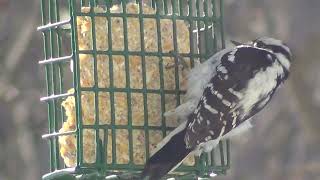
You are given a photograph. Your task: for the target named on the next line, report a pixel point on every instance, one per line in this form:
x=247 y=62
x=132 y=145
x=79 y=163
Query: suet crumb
x=120 y=105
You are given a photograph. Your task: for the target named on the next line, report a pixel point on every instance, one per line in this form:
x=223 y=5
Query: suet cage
x=112 y=70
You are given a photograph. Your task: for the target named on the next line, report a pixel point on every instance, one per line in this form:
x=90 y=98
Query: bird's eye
x=260 y=44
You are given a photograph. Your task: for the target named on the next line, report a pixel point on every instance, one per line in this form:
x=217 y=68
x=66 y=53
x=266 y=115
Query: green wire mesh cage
x=112 y=70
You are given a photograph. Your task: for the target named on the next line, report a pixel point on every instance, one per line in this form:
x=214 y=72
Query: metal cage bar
x=205 y=20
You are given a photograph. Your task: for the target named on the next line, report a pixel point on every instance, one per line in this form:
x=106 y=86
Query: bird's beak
x=236 y=43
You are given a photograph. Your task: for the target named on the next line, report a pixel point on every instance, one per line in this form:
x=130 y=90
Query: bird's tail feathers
x=165 y=140
x=167 y=158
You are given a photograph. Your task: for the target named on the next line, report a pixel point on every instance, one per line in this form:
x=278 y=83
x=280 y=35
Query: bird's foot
x=180 y=61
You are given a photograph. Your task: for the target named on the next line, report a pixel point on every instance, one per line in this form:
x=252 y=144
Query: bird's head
x=274 y=45
x=277 y=47
x=280 y=49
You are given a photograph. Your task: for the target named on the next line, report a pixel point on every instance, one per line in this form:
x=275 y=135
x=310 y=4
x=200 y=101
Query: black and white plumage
x=223 y=93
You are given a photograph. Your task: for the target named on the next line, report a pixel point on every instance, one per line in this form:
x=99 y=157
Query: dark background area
x=285 y=143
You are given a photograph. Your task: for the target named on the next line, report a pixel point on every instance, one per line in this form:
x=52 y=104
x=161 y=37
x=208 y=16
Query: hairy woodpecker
x=223 y=93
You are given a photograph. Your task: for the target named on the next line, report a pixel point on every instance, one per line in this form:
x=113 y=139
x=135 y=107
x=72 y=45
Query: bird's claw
x=180 y=61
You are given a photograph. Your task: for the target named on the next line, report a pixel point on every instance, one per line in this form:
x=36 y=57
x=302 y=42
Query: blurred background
x=285 y=143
